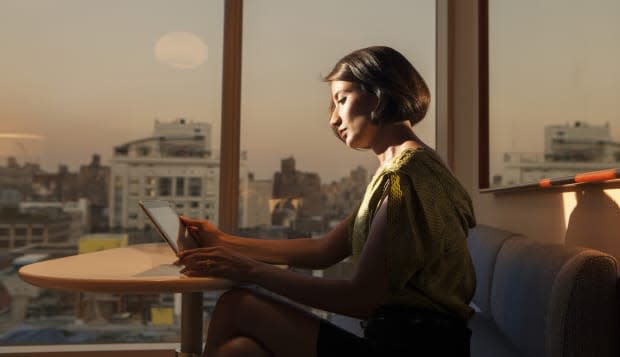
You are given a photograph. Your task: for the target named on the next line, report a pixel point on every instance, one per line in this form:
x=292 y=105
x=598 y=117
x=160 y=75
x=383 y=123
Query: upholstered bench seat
x=536 y=299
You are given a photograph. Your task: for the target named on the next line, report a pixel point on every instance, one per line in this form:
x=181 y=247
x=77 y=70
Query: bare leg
x=250 y=324
x=241 y=346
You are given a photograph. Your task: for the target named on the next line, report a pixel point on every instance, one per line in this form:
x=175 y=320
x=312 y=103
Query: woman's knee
x=236 y=302
x=234 y=298
x=241 y=346
x=234 y=295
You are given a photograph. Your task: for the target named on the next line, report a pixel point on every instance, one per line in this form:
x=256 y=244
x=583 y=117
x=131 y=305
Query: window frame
x=231 y=116
x=608 y=178
x=230 y=155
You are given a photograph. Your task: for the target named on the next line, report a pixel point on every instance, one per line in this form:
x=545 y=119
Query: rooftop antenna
x=23 y=150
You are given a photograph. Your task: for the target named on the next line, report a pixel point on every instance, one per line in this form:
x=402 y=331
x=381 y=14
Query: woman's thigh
x=278 y=326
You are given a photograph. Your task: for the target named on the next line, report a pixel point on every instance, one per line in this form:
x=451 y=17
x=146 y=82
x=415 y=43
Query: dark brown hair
x=401 y=92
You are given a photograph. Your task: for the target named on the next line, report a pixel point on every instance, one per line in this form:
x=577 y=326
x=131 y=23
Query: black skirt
x=398 y=331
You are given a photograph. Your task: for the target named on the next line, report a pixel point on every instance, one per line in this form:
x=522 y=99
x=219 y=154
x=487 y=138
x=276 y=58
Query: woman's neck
x=394 y=138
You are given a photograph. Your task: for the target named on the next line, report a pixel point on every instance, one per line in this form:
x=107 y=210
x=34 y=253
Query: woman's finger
x=187 y=260
x=190 y=222
x=198 y=259
x=204 y=267
x=192 y=265
x=192 y=273
x=196 y=251
x=193 y=231
x=195 y=258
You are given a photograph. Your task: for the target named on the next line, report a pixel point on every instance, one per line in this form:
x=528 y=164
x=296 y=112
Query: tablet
x=166 y=222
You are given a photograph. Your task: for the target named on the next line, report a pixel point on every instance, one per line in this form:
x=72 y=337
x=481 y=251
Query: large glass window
x=297 y=178
x=195 y=186
x=164 y=187
x=129 y=83
x=106 y=101
x=180 y=186
x=554 y=85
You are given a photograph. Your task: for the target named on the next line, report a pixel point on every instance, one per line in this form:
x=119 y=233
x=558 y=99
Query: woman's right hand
x=203 y=232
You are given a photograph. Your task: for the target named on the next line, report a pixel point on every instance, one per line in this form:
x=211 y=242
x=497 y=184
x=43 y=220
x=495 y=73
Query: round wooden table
x=137 y=269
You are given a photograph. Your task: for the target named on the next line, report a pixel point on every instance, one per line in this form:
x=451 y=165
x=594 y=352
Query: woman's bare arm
x=358 y=296
x=308 y=253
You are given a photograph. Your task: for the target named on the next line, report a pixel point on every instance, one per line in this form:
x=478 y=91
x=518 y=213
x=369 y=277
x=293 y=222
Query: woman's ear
x=374 y=118
x=377 y=112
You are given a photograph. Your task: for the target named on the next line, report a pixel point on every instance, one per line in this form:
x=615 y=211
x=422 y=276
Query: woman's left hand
x=218 y=262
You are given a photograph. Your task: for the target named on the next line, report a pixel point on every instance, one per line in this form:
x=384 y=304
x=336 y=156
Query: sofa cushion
x=484 y=243
x=584 y=307
x=488 y=341
x=544 y=298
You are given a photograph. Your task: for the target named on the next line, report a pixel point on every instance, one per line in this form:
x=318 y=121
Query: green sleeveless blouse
x=429 y=214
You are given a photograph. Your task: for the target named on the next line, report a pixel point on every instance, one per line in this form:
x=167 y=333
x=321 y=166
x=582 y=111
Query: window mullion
x=231 y=108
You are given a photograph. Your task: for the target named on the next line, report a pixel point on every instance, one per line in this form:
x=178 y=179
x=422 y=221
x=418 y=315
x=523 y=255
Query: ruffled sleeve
x=405 y=248
x=419 y=212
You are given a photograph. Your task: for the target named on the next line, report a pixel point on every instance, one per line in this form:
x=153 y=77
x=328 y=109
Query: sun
x=182 y=50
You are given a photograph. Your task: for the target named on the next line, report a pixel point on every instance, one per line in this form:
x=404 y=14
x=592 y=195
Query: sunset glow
x=20 y=136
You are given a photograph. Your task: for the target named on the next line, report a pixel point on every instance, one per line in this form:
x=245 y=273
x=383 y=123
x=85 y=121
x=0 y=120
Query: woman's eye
x=342 y=100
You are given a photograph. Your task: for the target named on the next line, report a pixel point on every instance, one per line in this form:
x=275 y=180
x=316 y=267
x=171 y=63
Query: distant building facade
x=78 y=211
x=175 y=164
x=93 y=183
x=28 y=183
x=16 y=180
x=342 y=197
x=24 y=229
x=9 y=197
x=580 y=142
x=61 y=186
x=296 y=199
x=569 y=150
x=254 y=198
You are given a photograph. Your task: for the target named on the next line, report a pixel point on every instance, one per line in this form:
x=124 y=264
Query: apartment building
x=176 y=164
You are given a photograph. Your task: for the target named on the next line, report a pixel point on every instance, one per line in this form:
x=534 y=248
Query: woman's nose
x=334 y=120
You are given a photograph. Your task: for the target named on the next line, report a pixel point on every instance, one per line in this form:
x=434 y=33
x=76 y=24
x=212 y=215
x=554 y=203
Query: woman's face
x=350 y=118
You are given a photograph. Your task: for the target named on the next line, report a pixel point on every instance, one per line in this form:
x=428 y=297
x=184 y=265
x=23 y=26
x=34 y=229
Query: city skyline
x=102 y=85
x=24 y=145
x=53 y=170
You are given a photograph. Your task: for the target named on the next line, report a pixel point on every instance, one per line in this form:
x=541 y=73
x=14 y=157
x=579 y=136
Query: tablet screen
x=168 y=221
x=165 y=219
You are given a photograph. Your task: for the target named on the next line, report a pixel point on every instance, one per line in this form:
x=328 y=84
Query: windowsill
x=570 y=187
x=12 y=350
x=604 y=179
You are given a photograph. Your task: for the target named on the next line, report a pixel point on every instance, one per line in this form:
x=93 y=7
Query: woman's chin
x=357 y=145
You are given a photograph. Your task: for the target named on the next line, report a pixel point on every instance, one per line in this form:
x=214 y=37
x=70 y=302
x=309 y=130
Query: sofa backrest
x=555 y=300
x=484 y=243
x=547 y=299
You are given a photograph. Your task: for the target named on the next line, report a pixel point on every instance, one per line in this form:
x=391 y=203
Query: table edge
x=180 y=285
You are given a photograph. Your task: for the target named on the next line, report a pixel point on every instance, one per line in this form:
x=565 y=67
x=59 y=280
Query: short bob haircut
x=401 y=92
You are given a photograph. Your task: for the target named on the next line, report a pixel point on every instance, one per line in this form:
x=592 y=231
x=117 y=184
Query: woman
x=413 y=275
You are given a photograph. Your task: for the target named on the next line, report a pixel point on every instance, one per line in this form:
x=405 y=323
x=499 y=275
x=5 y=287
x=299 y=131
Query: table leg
x=191 y=324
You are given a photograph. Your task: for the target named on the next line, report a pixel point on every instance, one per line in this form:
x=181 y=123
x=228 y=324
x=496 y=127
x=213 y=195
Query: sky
x=82 y=76
x=551 y=62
